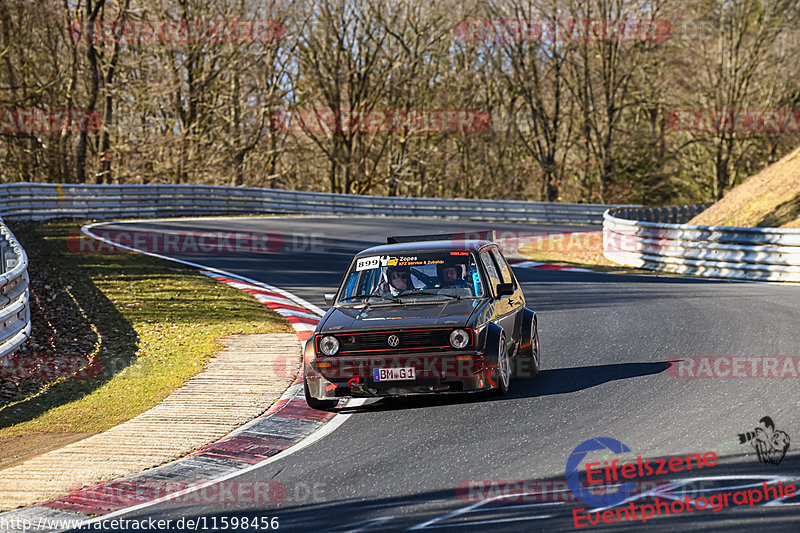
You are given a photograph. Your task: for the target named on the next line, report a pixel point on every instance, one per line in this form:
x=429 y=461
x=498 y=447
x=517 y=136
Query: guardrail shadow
x=48 y=377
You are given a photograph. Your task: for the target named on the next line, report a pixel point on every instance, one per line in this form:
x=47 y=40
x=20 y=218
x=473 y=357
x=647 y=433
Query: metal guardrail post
x=9 y=257
x=3 y=247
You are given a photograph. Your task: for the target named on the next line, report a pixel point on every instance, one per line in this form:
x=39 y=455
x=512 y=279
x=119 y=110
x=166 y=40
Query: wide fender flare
x=308 y=354
x=493 y=334
x=525 y=345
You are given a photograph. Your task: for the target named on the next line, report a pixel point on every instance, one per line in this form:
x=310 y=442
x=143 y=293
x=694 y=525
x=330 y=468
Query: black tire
x=314 y=403
x=503 y=367
x=536 y=351
x=530 y=357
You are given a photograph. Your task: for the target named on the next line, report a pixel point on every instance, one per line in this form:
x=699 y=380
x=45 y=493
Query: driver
x=398 y=280
x=450 y=275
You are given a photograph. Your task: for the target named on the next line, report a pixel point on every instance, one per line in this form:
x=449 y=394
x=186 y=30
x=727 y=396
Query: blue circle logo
x=584 y=493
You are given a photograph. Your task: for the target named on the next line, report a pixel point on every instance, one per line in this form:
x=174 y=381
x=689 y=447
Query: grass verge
x=114 y=334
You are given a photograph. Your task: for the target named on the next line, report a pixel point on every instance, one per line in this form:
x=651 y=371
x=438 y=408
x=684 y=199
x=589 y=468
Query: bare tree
x=735 y=68
x=575 y=116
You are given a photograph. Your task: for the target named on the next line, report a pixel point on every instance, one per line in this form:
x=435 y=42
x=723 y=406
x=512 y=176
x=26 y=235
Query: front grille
x=409 y=340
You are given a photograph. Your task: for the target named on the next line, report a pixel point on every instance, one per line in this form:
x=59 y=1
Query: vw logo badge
x=393 y=340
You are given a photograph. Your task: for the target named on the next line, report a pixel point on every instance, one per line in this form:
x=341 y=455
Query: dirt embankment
x=770 y=199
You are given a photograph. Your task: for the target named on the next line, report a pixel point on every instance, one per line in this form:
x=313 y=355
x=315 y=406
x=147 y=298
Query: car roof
x=425 y=246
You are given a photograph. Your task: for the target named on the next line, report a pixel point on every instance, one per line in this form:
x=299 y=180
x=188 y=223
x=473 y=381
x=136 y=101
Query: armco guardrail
x=15 y=316
x=41 y=201
x=657 y=239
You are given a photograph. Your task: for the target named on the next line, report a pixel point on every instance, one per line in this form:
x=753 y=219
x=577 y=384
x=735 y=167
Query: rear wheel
x=529 y=358
x=536 y=353
x=503 y=367
x=315 y=403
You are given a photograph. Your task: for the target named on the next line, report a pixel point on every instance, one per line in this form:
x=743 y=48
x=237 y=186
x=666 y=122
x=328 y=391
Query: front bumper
x=346 y=376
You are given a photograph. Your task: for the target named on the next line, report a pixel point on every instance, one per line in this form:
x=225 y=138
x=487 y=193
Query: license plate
x=393 y=374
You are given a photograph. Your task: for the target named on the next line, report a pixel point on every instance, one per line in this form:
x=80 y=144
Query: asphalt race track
x=396 y=464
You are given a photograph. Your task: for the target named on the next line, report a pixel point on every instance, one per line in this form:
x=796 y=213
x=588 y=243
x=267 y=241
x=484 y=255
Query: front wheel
x=315 y=403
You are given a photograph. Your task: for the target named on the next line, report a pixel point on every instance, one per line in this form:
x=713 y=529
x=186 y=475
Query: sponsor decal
x=413 y=261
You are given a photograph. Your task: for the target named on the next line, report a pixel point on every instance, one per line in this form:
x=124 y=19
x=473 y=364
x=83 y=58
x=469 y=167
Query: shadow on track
x=563 y=380
x=548 y=382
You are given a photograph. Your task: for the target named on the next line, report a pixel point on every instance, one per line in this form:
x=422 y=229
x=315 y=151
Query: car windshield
x=416 y=275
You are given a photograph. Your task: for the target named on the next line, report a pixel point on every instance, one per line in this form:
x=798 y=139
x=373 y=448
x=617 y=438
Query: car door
x=516 y=301
x=504 y=315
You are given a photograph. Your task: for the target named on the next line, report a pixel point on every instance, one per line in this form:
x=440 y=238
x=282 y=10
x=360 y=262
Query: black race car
x=422 y=315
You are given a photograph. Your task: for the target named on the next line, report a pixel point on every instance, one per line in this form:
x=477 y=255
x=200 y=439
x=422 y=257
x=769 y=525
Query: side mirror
x=505 y=289
x=330 y=297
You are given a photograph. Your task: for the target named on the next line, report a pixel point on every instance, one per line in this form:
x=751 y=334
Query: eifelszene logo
x=769 y=443
x=614 y=472
x=584 y=493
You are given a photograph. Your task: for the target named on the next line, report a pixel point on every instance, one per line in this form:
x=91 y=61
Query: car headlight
x=459 y=338
x=329 y=345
